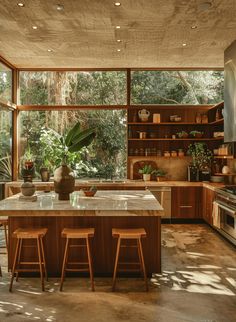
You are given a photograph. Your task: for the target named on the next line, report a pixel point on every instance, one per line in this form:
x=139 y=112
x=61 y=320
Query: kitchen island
x=104 y=211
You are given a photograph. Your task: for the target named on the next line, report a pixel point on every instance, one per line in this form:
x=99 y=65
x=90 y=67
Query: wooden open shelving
x=177 y=139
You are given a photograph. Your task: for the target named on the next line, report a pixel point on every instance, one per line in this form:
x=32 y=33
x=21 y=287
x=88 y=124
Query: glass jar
x=174 y=154
x=166 y=154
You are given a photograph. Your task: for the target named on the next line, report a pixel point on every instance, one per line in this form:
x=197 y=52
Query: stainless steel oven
x=227 y=220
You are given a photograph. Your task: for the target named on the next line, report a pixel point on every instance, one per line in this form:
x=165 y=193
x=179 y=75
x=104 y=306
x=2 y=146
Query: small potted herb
x=160 y=174
x=182 y=134
x=196 y=134
x=146 y=171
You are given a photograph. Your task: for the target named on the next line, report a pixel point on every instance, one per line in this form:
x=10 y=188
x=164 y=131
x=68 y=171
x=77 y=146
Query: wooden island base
x=103 y=246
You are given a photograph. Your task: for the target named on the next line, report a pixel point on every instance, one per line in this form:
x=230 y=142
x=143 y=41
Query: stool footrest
x=27 y=270
x=77 y=263
x=128 y=270
x=76 y=270
x=129 y=263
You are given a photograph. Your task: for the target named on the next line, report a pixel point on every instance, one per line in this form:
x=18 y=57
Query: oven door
x=227 y=220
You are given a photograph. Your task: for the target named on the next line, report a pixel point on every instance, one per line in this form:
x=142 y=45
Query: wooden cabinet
x=208 y=197
x=186 y=202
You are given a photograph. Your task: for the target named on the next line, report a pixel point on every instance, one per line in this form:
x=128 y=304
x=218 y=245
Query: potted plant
x=182 y=134
x=201 y=161
x=45 y=170
x=160 y=174
x=196 y=134
x=27 y=168
x=74 y=141
x=146 y=171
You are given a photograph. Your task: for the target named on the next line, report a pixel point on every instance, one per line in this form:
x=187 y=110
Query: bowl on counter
x=89 y=193
x=217 y=179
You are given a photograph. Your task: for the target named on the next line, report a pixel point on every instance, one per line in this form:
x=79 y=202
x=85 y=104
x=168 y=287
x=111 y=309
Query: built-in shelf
x=225 y=175
x=220 y=121
x=177 y=123
x=157 y=156
x=223 y=156
x=178 y=139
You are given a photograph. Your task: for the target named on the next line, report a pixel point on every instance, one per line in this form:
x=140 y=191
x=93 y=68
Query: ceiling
x=84 y=34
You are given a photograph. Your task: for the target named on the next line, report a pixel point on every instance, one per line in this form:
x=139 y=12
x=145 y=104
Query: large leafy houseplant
x=74 y=141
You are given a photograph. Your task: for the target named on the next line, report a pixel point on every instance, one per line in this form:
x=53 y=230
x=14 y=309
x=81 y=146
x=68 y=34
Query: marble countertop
x=104 y=203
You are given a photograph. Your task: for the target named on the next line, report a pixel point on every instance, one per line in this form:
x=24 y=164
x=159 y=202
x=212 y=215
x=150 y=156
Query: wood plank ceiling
x=84 y=34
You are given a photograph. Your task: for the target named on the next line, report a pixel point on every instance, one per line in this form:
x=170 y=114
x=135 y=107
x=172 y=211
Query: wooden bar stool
x=129 y=234
x=23 y=234
x=80 y=233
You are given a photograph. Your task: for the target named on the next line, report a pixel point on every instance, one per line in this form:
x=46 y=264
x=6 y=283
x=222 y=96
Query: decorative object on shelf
x=201 y=159
x=180 y=153
x=27 y=189
x=219 y=115
x=152 y=135
x=146 y=171
x=218 y=134
x=143 y=115
x=156 y=118
x=174 y=154
x=74 y=141
x=224 y=149
x=142 y=134
x=173 y=136
x=225 y=169
x=90 y=192
x=196 y=134
x=167 y=154
x=216 y=151
x=204 y=118
x=135 y=117
x=182 y=135
x=175 y=118
x=217 y=179
x=198 y=118
x=160 y=174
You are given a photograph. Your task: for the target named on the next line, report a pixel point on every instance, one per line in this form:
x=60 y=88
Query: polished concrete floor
x=198 y=283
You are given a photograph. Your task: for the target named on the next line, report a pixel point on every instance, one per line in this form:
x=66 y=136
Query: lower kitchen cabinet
x=208 y=197
x=186 y=202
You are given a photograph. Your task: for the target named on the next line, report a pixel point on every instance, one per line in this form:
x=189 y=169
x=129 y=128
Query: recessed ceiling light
x=20 y=4
x=60 y=7
x=118 y=49
x=184 y=44
x=117 y=4
x=117 y=27
x=34 y=27
x=194 y=27
x=50 y=50
x=118 y=40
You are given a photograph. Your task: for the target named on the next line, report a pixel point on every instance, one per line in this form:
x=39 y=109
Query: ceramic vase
x=45 y=174
x=64 y=182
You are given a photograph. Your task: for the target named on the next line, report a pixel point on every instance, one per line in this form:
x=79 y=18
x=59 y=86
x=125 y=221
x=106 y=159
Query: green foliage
x=195 y=133
x=146 y=169
x=200 y=154
x=182 y=134
x=159 y=172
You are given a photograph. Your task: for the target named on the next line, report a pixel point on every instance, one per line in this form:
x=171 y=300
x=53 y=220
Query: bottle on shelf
x=218 y=114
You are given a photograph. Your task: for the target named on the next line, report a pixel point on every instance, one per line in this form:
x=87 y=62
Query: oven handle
x=226 y=209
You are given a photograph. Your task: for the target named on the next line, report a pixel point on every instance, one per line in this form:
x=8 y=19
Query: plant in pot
x=74 y=141
x=182 y=134
x=160 y=174
x=45 y=169
x=146 y=171
x=201 y=162
x=196 y=134
x=27 y=165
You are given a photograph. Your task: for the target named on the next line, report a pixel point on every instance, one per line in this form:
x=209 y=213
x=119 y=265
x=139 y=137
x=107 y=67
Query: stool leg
x=116 y=263
x=18 y=258
x=64 y=264
x=90 y=264
x=14 y=264
x=44 y=261
x=143 y=264
x=6 y=237
x=140 y=259
x=40 y=263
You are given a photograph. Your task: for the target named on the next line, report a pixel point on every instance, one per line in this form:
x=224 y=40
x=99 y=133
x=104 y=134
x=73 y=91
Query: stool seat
x=30 y=233
x=133 y=233
x=77 y=233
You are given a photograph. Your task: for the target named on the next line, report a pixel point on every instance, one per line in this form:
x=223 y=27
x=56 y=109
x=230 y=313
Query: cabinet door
x=208 y=198
x=186 y=202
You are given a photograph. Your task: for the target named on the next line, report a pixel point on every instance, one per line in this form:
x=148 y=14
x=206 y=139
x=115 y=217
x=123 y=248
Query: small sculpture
x=143 y=115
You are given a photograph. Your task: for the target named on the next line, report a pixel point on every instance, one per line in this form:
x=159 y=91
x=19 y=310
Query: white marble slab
x=104 y=203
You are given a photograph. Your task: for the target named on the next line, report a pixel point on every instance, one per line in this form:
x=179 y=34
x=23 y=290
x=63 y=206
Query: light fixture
x=50 y=50
x=60 y=7
x=118 y=49
x=194 y=27
x=184 y=44
x=34 y=27
x=118 y=40
x=117 y=4
x=117 y=27
x=20 y=4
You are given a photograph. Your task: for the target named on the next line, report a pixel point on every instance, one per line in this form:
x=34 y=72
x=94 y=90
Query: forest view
x=106 y=156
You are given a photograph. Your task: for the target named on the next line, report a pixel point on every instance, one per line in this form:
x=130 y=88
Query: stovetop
x=228 y=193
x=229 y=189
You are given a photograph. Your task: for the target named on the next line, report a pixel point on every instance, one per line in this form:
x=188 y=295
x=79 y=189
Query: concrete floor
x=198 y=283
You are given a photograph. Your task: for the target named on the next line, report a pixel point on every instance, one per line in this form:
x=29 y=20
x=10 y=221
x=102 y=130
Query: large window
x=40 y=133
x=5 y=83
x=177 y=87
x=5 y=144
x=73 y=88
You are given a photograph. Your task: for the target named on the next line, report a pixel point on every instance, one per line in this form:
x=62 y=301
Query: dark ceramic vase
x=193 y=173
x=45 y=174
x=64 y=182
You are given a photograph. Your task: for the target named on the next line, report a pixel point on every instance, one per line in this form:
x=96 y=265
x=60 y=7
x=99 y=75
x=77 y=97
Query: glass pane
x=73 y=88
x=40 y=133
x=5 y=145
x=5 y=83
x=177 y=87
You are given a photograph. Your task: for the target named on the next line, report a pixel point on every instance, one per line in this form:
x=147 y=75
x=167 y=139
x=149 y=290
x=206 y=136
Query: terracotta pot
x=64 y=182
x=27 y=189
x=45 y=174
